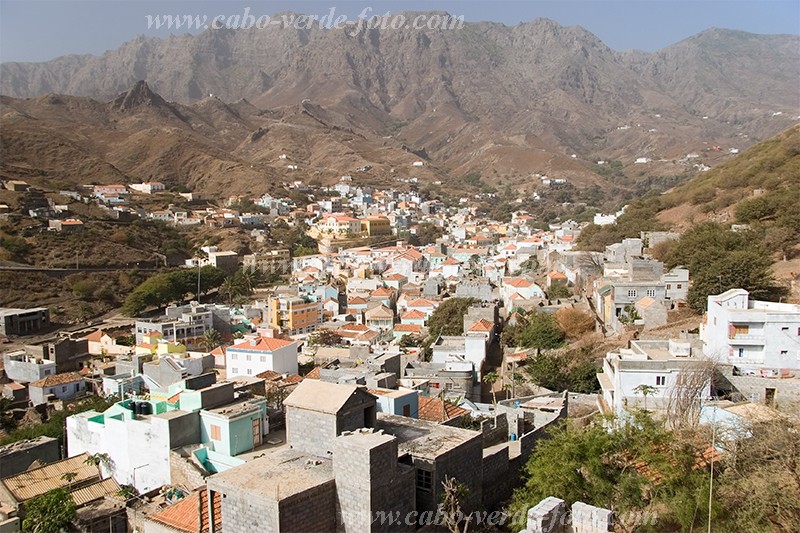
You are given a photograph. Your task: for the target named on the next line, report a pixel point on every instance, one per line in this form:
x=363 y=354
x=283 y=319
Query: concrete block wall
x=244 y=511
x=548 y=516
x=463 y=464
x=498 y=477
x=494 y=430
x=551 y=516
x=310 y=431
x=369 y=480
x=590 y=519
x=17 y=457
x=312 y=510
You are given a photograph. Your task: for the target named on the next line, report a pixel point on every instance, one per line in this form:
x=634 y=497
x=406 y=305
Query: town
x=377 y=351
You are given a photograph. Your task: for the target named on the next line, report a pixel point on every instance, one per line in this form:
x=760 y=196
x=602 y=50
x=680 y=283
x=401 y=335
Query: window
x=784 y=352
x=661 y=381
x=651 y=293
x=249 y=357
x=77 y=387
x=64 y=388
x=741 y=330
x=669 y=287
x=216 y=434
x=424 y=480
x=234 y=356
x=249 y=371
x=234 y=371
x=741 y=352
x=263 y=358
x=678 y=286
x=631 y=293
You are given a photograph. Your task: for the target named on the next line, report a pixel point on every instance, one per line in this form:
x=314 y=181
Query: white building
x=148 y=187
x=647 y=363
x=259 y=354
x=751 y=334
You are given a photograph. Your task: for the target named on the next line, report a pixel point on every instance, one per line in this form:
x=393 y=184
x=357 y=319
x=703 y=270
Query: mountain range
x=235 y=109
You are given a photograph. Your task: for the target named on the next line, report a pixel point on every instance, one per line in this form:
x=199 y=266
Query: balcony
x=747 y=340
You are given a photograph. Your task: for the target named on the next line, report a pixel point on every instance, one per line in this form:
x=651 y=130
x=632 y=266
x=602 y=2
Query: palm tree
x=69 y=477
x=645 y=390
x=491 y=378
x=211 y=339
x=230 y=289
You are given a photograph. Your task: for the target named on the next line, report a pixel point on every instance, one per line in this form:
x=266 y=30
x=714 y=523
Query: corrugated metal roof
x=95 y=491
x=34 y=482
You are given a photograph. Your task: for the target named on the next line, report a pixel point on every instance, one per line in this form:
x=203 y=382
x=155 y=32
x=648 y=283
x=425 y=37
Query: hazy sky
x=38 y=30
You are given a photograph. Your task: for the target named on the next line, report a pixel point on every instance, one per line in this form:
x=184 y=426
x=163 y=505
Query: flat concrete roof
x=423 y=439
x=278 y=475
x=6 y=311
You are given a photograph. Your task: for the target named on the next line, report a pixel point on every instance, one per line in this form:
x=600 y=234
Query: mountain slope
x=486 y=97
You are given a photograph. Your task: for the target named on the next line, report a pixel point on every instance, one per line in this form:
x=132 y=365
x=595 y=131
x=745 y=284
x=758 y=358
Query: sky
x=39 y=30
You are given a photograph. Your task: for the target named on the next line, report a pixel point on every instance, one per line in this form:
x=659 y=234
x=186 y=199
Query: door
x=256 y=432
x=769 y=396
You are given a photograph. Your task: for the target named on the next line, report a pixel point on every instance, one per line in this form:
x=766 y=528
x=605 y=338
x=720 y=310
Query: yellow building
x=376 y=226
x=293 y=315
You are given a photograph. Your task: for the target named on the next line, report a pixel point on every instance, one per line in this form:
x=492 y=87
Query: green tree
x=49 y=512
x=448 y=318
x=573 y=370
x=541 y=332
x=645 y=391
x=639 y=467
x=211 y=339
x=490 y=378
x=324 y=337
x=558 y=290
x=427 y=233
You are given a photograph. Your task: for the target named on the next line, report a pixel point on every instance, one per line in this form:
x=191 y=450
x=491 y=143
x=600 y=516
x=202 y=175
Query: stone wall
x=184 y=472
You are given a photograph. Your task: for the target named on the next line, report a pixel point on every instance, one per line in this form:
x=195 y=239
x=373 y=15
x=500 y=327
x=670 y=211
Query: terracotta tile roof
x=58 y=379
x=219 y=350
x=395 y=277
x=313 y=374
x=556 y=275
x=95 y=336
x=382 y=291
x=262 y=344
x=482 y=325
x=451 y=261
x=269 y=375
x=408 y=328
x=421 y=302
x=191 y=513
x=292 y=378
x=517 y=282
x=354 y=327
x=356 y=300
x=435 y=410
x=413 y=315
x=410 y=255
